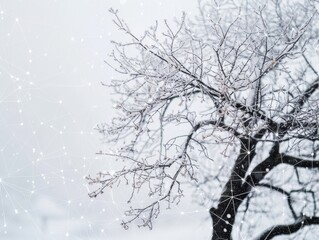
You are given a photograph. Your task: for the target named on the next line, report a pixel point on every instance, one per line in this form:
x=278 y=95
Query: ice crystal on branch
x=225 y=102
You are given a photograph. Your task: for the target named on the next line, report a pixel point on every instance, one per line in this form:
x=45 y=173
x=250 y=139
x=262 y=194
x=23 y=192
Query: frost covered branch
x=224 y=102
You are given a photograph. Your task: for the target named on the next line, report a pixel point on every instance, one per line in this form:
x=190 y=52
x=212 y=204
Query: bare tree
x=226 y=102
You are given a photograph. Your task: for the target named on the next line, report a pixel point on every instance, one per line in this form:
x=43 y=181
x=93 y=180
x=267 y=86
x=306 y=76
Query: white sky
x=51 y=65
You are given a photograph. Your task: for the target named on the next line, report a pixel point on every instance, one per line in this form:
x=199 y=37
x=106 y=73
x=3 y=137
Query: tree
x=226 y=102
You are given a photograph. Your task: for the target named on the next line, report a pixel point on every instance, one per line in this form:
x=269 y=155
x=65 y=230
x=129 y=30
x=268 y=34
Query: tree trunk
x=224 y=215
x=234 y=193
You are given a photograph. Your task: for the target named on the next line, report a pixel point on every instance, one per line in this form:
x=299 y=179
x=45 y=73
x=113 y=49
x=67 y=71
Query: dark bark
x=237 y=188
x=224 y=215
x=289 y=228
x=234 y=193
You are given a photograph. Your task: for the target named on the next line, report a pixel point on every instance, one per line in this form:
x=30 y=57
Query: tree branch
x=289 y=228
x=299 y=162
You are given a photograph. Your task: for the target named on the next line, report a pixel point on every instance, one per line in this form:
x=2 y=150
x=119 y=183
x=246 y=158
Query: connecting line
x=289 y=228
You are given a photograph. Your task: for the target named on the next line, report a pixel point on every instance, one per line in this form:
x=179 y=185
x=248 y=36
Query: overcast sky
x=51 y=67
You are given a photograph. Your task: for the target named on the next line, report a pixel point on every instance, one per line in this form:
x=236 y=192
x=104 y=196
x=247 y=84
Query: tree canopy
x=226 y=101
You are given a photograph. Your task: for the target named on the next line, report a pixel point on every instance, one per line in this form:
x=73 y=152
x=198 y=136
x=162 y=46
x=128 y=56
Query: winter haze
x=51 y=67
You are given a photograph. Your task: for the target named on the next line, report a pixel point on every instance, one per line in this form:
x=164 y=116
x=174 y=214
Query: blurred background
x=51 y=68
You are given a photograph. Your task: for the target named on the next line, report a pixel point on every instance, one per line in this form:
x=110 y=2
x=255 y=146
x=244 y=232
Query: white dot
x=228 y=215
x=225 y=230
